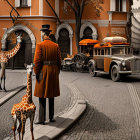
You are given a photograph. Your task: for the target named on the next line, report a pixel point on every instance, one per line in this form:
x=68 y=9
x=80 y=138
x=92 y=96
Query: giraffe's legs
x=15 y=125
x=2 y=74
x=23 y=119
x=31 y=124
x=0 y=83
x=4 y=84
x=1 y=78
x=19 y=128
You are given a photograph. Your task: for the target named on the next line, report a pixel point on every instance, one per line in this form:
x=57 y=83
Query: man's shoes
x=52 y=120
x=43 y=123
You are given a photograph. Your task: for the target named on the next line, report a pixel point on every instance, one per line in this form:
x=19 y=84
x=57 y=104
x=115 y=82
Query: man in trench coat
x=47 y=62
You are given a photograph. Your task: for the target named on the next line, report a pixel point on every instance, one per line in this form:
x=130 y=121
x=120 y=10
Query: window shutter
x=124 y=6
x=29 y=3
x=112 y=5
x=17 y=3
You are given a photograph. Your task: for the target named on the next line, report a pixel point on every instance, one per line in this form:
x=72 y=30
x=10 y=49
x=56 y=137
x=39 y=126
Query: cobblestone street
x=111 y=113
x=112 y=107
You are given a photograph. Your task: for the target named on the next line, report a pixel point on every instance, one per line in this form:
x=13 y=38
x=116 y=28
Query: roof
x=115 y=39
x=88 y=42
x=109 y=44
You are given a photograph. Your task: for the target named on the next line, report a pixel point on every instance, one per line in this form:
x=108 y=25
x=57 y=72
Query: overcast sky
x=136 y=4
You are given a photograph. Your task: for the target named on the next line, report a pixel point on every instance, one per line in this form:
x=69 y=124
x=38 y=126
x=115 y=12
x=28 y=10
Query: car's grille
x=135 y=66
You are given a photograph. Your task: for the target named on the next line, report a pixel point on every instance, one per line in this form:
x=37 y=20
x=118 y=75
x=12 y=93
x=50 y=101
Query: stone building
x=136 y=27
x=35 y=13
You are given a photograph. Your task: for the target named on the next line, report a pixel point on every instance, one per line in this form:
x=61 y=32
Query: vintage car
x=114 y=57
x=86 y=53
x=79 y=62
x=68 y=63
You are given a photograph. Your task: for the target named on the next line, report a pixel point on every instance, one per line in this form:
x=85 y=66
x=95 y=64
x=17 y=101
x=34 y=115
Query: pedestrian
x=47 y=62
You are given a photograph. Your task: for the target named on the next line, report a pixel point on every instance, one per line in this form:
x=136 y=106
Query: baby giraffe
x=25 y=108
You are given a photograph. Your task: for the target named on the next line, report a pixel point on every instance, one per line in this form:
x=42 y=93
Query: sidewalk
x=63 y=119
x=74 y=108
x=14 y=83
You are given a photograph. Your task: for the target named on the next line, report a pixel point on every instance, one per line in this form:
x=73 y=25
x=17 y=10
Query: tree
x=53 y=11
x=77 y=6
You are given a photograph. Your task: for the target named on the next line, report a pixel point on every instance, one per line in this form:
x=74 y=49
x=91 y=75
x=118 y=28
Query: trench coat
x=48 y=86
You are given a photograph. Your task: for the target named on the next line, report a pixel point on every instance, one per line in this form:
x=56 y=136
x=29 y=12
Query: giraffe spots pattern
x=26 y=106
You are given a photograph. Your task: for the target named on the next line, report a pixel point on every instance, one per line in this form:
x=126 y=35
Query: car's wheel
x=115 y=76
x=92 y=70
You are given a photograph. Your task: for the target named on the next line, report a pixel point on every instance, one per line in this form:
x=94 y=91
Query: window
x=119 y=5
x=118 y=51
x=22 y=3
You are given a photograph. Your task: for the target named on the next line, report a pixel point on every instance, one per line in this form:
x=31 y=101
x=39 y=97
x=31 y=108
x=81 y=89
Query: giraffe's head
x=29 y=68
x=19 y=38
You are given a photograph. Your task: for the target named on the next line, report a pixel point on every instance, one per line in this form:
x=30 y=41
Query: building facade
x=136 y=26
x=112 y=21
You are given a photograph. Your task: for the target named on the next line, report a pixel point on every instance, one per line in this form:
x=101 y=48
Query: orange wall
x=89 y=11
x=35 y=7
x=46 y=9
x=119 y=16
x=5 y=8
x=4 y=24
x=35 y=25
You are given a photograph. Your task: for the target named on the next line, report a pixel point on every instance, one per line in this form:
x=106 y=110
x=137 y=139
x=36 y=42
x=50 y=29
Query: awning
x=88 y=42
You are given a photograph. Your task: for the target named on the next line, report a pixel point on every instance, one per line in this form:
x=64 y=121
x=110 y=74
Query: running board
x=102 y=72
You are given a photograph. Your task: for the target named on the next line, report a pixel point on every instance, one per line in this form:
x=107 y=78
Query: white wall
x=136 y=4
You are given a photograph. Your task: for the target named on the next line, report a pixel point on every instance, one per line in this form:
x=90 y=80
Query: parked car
x=79 y=62
x=115 y=58
x=68 y=63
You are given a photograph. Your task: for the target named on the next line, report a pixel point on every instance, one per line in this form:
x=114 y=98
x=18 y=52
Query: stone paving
x=62 y=103
x=95 y=125
x=11 y=81
x=109 y=115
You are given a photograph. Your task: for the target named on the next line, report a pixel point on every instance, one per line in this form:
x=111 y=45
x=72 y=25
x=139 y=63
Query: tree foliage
x=77 y=6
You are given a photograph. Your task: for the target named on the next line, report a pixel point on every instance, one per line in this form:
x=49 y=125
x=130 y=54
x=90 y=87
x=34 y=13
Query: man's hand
x=37 y=77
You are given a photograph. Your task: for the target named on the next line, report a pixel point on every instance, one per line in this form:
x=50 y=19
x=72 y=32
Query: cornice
x=32 y=16
x=99 y=22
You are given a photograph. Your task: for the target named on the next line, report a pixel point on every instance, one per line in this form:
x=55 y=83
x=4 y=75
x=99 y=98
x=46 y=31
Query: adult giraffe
x=5 y=56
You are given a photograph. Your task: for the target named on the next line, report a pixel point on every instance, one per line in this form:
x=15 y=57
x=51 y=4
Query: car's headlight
x=123 y=63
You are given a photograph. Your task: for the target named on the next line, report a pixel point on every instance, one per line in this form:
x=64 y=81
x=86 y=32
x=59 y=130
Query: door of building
x=24 y=55
x=64 y=42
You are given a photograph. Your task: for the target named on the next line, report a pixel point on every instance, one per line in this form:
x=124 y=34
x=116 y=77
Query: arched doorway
x=18 y=28
x=64 y=42
x=87 y=34
x=88 y=31
x=24 y=55
x=70 y=32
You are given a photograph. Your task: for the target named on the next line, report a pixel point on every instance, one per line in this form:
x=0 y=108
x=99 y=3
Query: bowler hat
x=45 y=27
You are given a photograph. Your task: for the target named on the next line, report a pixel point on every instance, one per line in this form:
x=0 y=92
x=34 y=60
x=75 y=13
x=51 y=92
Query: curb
x=10 y=95
x=54 y=130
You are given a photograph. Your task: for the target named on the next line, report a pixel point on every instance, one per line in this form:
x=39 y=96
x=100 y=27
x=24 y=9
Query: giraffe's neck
x=12 y=52
x=29 y=88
